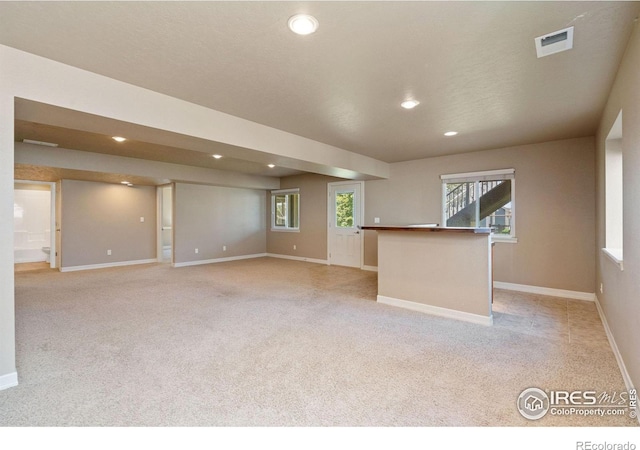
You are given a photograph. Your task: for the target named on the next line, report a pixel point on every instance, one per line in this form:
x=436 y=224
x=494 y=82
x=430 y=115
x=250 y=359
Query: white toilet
x=47 y=250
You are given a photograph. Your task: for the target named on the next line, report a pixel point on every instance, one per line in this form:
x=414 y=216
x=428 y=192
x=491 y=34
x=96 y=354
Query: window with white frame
x=614 y=192
x=285 y=210
x=481 y=200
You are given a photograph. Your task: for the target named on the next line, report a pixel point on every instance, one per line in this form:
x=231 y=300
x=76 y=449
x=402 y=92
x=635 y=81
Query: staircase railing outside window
x=463 y=194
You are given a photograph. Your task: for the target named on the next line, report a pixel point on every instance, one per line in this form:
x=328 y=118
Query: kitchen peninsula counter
x=444 y=271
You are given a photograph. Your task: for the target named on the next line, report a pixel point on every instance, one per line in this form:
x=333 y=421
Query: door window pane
x=344 y=209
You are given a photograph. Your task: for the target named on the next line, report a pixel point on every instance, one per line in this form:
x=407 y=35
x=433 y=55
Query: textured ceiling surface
x=472 y=65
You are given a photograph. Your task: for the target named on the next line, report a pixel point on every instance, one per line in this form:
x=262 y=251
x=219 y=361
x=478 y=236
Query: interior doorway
x=345 y=211
x=34 y=224
x=165 y=223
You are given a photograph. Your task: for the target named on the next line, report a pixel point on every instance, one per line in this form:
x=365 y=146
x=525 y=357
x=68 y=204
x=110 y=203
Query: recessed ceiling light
x=451 y=133
x=125 y=182
x=303 y=24
x=271 y=166
x=217 y=156
x=119 y=139
x=409 y=104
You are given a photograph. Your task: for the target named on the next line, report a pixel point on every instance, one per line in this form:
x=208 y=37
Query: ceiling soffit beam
x=63 y=158
x=38 y=79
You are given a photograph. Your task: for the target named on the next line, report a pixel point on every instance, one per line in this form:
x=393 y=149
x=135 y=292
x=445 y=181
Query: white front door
x=345 y=215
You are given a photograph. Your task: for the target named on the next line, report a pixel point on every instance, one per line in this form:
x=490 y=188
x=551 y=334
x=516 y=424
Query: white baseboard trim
x=219 y=260
x=621 y=365
x=575 y=295
x=298 y=258
x=436 y=310
x=370 y=268
x=107 y=265
x=8 y=380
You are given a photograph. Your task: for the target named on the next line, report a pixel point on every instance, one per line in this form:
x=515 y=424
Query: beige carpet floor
x=271 y=342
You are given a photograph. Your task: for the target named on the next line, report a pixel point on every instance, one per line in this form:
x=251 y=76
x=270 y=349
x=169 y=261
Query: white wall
x=8 y=374
x=32 y=223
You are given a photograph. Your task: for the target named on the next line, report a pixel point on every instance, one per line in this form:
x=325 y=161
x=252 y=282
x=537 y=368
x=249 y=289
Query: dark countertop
x=426 y=229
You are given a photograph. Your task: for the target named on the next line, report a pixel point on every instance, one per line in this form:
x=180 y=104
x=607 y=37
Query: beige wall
x=97 y=217
x=311 y=241
x=459 y=282
x=620 y=299
x=554 y=208
x=210 y=217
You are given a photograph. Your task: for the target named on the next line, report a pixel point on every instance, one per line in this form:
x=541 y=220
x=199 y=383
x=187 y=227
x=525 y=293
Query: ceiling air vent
x=555 y=42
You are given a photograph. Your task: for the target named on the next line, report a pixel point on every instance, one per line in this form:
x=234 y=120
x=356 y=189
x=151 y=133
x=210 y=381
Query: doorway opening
x=165 y=223
x=34 y=225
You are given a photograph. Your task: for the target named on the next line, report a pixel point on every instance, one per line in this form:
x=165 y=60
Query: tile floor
x=559 y=319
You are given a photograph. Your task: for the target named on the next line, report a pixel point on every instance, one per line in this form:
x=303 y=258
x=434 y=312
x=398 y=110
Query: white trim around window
x=477 y=178
x=499 y=174
x=289 y=218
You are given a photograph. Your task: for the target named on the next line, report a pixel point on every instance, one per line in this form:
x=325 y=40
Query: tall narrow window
x=285 y=210
x=482 y=200
x=614 y=192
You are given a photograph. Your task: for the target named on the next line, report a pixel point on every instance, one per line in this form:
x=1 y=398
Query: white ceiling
x=472 y=65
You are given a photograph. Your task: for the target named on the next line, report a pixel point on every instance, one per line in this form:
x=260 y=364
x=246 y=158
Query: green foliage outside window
x=344 y=209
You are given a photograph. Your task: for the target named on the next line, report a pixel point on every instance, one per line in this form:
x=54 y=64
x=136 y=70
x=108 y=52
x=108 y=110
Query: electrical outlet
x=196 y=250
x=224 y=248
x=295 y=247
x=109 y=252
x=376 y=220
x=601 y=288
x=141 y=219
